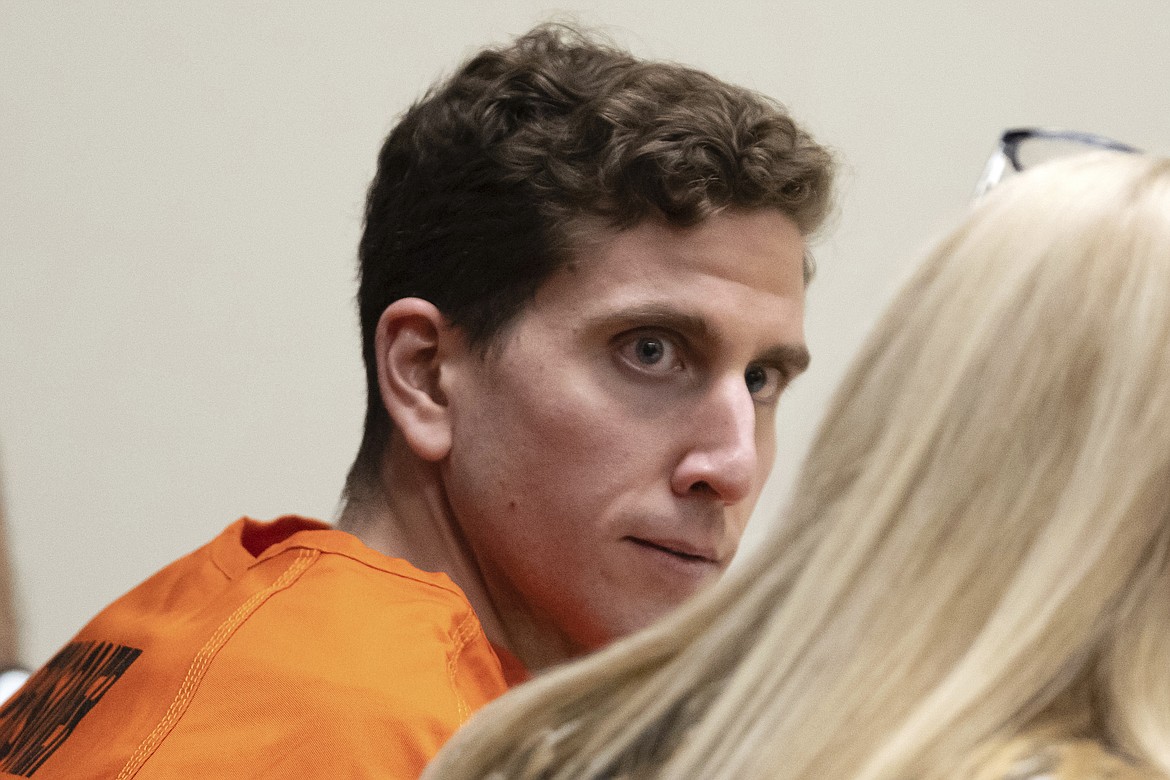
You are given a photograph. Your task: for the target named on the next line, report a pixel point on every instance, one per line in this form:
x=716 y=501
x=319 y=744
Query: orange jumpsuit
x=279 y=650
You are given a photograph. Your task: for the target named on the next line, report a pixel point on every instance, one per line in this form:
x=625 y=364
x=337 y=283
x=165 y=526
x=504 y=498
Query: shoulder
x=366 y=664
x=364 y=656
x=381 y=625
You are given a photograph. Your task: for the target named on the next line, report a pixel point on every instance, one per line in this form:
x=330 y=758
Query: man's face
x=606 y=454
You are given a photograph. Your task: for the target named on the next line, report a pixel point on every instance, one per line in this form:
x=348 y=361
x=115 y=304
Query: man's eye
x=765 y=383
x=652 y=354
x=649 y=351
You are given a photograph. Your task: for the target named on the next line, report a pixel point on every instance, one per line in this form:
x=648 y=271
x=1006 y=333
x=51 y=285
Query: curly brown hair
x=483 y=187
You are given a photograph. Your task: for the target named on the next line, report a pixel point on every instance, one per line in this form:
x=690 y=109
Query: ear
x=409 y=344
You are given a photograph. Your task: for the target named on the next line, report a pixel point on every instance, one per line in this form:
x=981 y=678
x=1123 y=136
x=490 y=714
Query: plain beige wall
x=180 y=196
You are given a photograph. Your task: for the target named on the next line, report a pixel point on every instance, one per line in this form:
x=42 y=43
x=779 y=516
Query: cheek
x=534 y=443
x=575 y=456
x=564 y=417
x=766 y=442
x=527 y=451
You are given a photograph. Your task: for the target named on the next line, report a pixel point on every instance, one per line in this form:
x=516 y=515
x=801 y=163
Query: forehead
x=752 y=261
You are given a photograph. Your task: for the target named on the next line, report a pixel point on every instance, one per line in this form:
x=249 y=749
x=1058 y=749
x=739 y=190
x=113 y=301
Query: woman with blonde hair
x=974 y=578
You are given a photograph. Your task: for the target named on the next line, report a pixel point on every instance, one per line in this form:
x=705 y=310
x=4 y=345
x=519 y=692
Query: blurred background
x=181 y=190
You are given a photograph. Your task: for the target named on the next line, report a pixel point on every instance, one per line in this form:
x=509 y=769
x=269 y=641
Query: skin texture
x=600 y=463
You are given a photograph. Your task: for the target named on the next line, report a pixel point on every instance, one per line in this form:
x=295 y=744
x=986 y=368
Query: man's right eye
x=651 y=354
x=649 y=350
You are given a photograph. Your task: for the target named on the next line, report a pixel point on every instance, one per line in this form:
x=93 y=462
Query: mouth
x=678 y=550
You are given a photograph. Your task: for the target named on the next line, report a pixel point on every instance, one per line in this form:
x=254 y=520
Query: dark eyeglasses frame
x=1008 y=151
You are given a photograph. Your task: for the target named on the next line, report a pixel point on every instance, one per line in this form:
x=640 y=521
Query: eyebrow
x=793 y=359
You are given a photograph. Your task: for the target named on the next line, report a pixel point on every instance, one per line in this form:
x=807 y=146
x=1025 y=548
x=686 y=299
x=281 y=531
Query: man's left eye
x=765 y=383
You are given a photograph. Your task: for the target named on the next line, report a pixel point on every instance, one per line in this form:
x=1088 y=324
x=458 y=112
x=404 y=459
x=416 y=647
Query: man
x=582 y=287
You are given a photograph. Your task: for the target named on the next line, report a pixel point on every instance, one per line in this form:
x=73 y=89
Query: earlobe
x=409 y=348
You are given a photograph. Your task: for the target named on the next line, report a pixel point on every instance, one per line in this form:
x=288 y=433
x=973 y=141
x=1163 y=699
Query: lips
x=681 y=549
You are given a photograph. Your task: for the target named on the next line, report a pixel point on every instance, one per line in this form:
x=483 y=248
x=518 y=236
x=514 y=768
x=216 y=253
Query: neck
x=404 y=513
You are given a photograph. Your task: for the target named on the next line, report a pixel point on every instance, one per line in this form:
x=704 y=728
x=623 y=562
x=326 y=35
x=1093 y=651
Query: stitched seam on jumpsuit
x=204 y=658
x=463 y=635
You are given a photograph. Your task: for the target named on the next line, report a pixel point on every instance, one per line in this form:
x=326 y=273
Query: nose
x=722 y=460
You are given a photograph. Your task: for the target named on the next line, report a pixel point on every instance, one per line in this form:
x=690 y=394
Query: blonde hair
x=975 y=572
